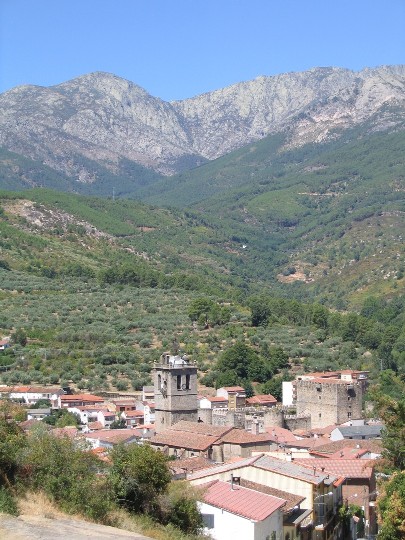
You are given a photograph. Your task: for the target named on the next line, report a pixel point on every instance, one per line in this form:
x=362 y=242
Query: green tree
x=12 y=441
x=181 y=507
x=260 y=310
x=139 y=475
x=67 y=474
x=19 y=336
x=240 y=363
x=391 y=509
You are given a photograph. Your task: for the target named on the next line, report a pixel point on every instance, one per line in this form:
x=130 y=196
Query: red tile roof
x=291 y=469
x=308 y=443
x=241 y=501
x=327 y=430
x=200 y=427
x=136 y=414
x=226 y=467
x=184 y=439
x=114 y=436
x=240 y=436
x=375 y=446
x=261 y=399
x=281 y=435
x=81 y=397
x=190 y=464
x=350 y=468
x=32 y=389
x=292 y=499
x=348 y=453
x=95 y=425
x=234 y=389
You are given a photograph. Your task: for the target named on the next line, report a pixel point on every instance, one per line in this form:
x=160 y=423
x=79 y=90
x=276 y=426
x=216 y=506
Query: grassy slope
x=331 y=211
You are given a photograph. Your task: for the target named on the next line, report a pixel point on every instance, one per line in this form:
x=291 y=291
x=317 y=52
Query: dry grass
x=38 y=504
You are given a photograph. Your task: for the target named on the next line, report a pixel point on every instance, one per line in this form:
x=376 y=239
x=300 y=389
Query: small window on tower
x=178 y=382
x=187 y=382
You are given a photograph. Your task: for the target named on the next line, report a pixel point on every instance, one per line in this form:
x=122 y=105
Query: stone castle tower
x=175 y=384
x=329 y=401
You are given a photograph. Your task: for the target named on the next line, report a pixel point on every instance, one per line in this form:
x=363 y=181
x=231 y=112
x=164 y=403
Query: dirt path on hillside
x=40 y=528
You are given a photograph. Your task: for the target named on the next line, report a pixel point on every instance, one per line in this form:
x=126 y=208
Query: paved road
x=40 y=528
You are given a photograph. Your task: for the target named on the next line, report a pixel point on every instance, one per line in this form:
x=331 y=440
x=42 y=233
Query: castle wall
x=329 y=402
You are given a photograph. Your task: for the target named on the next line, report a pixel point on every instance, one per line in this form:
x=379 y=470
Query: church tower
x=175 y=383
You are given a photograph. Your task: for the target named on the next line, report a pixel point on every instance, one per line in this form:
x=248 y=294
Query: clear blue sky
x=180 y=48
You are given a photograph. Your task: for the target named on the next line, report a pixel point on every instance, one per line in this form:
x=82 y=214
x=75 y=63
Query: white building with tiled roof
x=322 y=491
x=232 y=512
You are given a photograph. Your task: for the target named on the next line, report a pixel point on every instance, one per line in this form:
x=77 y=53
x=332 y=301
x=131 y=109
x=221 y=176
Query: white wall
x=287 y=389
x=228 y=526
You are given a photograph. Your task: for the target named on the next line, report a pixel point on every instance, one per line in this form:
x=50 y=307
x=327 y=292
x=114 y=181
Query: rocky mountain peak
x=105 y=118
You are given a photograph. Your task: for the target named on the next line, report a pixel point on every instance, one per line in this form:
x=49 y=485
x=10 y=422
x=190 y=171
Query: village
x=267 y=470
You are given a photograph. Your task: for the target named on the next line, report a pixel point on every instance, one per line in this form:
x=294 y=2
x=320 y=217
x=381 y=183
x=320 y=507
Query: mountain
x=99 y=131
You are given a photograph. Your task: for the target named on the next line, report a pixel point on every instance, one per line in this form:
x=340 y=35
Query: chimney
x=255 y=427
x=232 y=481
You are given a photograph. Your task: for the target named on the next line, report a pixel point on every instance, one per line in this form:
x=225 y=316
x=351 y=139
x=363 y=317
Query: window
x=178 y=382
x=320 y=415
x=208 y=520
x=187 y=382
x=349 y=414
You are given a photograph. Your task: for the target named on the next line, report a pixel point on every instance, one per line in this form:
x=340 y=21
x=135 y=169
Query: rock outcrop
x=104 y=119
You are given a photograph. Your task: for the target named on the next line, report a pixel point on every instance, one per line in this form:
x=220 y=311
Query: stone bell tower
x=175 y=384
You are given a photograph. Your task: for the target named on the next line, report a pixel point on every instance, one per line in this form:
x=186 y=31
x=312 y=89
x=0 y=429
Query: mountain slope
x=99 y=122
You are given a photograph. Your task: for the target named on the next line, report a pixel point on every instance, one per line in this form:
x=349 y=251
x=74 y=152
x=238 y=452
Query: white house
x=32 y=394
x=216 y=402
x=107 y=438
x=105 y=417
x=38 y=414
x=86 y=414
x=148 y=411
x=232 y=512
x=321 y=492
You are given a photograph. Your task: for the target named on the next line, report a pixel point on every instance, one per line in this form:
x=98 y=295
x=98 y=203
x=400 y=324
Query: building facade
x=329 y=401
x=175 y=388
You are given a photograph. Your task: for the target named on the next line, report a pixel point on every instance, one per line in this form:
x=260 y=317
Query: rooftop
x=360 y=431
x=225 y=467
x=349 y=468
x=292 y=500
x=280 y=435
x=81 y=397
x=291 y=469
x=190 y=464
x=261 y=399
x=373 y=445
x=184 y=439
x=244 y=502
x=233 y=389
x=114 y=436
x=201 y=428
x=240 y=436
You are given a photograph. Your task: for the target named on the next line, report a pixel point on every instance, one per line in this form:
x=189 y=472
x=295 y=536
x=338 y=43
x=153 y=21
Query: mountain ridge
x=105 y=119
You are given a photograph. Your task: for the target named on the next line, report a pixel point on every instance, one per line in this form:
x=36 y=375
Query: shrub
x=7 y=502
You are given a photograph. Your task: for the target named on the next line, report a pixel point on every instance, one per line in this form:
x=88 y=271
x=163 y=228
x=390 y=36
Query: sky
x=176 y=49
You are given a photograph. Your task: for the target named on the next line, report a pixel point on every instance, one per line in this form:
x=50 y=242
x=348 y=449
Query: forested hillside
x=93 y=290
